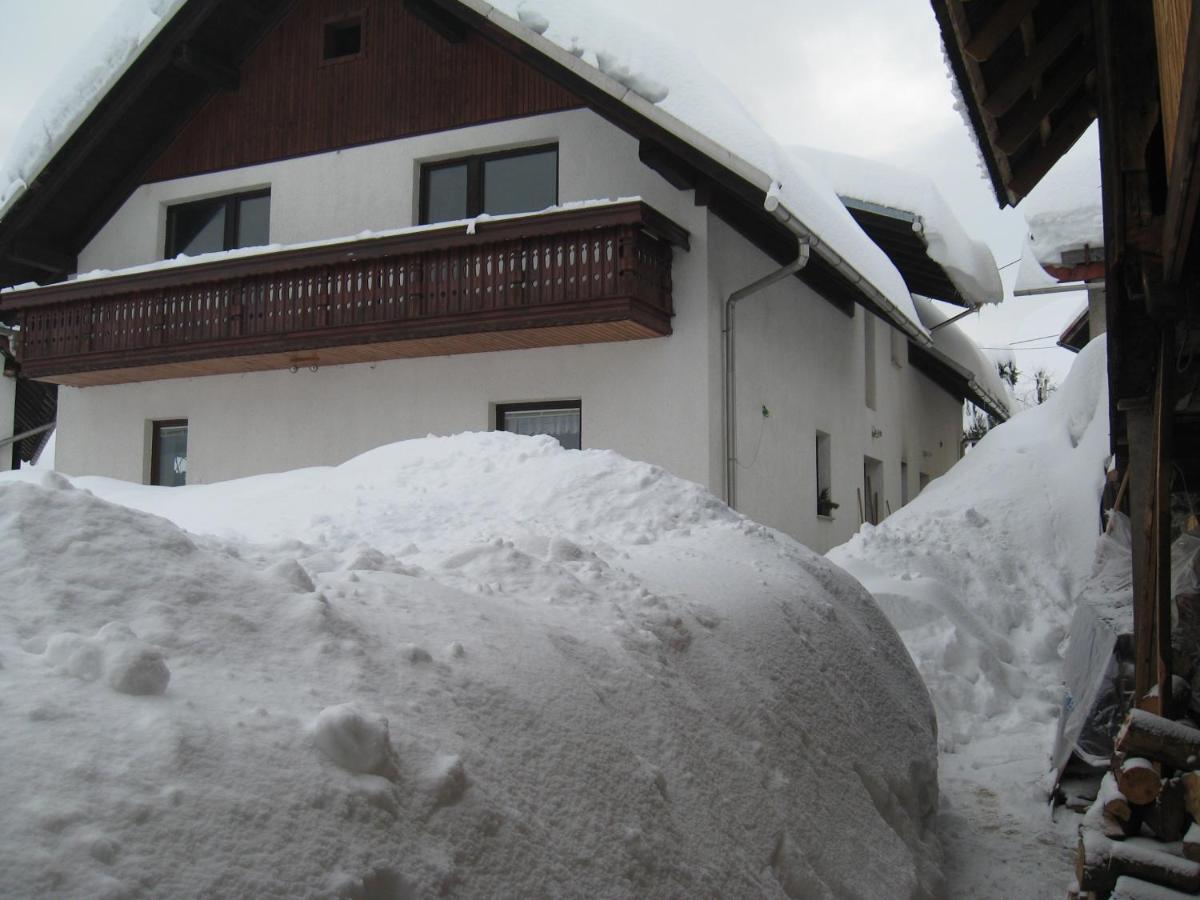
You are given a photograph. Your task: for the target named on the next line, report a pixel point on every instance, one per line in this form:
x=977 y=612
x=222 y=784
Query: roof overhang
x=1027 y=71
x=899 y=234
x=955 y=379
x=1077 y=334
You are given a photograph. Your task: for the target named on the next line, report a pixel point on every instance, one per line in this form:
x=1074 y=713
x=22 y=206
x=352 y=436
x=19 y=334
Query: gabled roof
x=689 y=126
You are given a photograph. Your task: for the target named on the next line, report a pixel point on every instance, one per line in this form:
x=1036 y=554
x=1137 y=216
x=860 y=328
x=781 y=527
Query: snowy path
x=995 y=826
x=979 y=575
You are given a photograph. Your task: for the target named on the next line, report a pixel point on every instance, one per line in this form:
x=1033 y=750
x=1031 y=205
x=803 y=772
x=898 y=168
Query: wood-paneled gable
x=409 y=79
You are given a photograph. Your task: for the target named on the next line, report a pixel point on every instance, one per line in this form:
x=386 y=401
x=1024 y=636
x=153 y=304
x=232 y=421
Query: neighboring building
x=538 y=244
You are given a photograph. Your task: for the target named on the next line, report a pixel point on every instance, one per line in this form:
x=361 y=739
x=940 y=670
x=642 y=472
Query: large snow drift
x=470 y=666
x=979 y=573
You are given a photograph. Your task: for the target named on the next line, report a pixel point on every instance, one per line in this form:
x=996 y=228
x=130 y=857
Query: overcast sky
x=864 y=77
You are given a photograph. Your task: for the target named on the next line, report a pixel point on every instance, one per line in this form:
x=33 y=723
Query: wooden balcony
x=587 y=275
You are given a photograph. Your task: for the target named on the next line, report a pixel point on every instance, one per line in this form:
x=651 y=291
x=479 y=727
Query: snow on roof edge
x=968 y=263
x=22 y=174
x=955 y=347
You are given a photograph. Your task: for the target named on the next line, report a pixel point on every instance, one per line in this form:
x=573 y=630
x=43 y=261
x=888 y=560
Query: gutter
x=844 y=268
x=728 y=373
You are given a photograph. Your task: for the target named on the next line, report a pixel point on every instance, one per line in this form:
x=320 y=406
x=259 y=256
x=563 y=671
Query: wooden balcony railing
x=591 y=274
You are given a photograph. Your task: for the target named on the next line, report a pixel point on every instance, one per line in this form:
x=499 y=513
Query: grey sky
x=864 y=77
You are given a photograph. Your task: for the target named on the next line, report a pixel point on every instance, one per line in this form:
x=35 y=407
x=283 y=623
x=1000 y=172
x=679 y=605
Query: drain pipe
x=729 y=346
x=844 y=268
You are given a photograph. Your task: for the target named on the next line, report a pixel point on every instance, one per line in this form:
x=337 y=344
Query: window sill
x=825 y=518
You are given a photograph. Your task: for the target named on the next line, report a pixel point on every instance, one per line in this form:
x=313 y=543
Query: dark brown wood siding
x=408 y=80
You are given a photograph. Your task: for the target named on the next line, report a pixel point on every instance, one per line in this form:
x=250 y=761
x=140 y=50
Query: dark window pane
x=170 y=462
x=254 y=221
x=197 y=228
x=343 y=38
x=561 y=424
x=446 y=193
x=526 y=183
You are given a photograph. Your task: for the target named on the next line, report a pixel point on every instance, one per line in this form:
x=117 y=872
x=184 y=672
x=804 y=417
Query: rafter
x=995 y=31
x=1048 y=49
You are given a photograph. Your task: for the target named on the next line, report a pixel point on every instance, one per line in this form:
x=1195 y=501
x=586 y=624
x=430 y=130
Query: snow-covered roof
x=953 y=346
x=969 y=263
x=648 y=72
x=77 y=89
x=1065 y=211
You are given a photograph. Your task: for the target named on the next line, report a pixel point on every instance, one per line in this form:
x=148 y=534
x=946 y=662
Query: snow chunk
x=115 y=653
x=354 y=739
x=1065 y=210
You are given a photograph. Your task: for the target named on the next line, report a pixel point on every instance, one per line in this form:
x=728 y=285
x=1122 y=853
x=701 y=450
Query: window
x=219 y=223
x=515 y=181
x=168 y=453
x=873 y=501
x=903 y=482
x=342 y=39
x=825 y=504
x=869 y=356
x=558 y=418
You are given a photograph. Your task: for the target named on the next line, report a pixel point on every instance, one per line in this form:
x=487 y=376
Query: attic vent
x=343 y=38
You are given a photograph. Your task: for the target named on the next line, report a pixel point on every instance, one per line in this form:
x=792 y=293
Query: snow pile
x=1065 y=210
x=980 y=571
x=471 y=666
x=77 y=90
x=968 y=263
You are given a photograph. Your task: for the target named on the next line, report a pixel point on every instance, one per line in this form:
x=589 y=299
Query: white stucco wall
x=658 y=400
x=803 y=359
x=8 y=409
x=338 y=194
x=646 y=399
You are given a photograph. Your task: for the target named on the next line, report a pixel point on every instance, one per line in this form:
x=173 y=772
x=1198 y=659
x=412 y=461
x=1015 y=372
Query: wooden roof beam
x=1024 y=121
x=1183 y=196
x=1062 y=138
x=995 y=31
x=37 y=256
x=1050 y=48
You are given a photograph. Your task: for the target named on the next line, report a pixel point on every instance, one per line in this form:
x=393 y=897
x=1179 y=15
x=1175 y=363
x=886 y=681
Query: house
x=1033 y=79
x=308 y=228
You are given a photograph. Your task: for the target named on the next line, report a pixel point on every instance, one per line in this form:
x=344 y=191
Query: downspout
x=729 y=346
x=844 y=268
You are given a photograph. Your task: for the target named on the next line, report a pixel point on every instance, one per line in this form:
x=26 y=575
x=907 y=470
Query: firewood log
x=1099 y=862
x=1153 y=737
x=1139 y=781
x=1168 y=816
x=1191 y=793
x=1191 y=843
x=1135 y=889
x=1113 y=801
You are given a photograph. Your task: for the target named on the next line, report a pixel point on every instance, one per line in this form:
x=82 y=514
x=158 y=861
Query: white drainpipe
x=729 y=346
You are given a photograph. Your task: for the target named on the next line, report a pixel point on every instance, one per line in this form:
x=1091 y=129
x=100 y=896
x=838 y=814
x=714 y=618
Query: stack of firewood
x=1140 y=839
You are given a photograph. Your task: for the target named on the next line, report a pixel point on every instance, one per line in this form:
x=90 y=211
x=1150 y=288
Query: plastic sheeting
x=1092 y=705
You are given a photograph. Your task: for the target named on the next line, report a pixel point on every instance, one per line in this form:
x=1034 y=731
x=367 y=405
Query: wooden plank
x=487 y=342
x=1171 y=21
x=1139 y=423
x=1022 y=122
x=1062 y=138
x=1183 y=164
x=1159 y=563
x=1003 y=22
x=1049 y=48
x=408 y=80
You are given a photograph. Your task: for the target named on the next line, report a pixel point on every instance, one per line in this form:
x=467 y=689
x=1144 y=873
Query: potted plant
x=825 y=504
